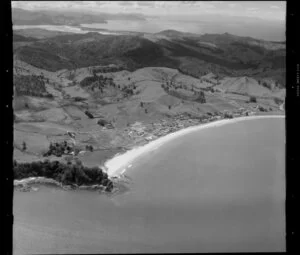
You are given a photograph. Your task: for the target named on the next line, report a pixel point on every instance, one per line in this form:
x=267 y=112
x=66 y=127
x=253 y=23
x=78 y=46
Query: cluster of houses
x=152 y=131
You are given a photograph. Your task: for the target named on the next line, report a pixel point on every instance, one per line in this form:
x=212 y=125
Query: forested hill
x=196 y=55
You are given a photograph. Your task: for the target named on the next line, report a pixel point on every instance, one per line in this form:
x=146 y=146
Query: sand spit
x=118 y=164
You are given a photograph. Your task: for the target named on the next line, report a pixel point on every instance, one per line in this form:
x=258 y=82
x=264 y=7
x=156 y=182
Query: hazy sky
x=268 y=10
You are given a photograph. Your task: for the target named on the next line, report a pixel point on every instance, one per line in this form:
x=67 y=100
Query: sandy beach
x=117 y=166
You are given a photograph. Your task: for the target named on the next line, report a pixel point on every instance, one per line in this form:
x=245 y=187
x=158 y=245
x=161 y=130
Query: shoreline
x=117 y=166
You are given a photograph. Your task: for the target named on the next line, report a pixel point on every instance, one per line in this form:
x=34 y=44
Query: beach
x=117 y=166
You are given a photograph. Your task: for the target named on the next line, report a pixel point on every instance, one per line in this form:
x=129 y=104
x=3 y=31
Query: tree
x=228 y=115
x=278 y=101
x=201 y=98
x=24 y=146
x=252 y=99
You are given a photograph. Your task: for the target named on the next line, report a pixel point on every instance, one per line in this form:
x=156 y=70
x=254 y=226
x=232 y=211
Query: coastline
x=117 y=166
x=26 y=184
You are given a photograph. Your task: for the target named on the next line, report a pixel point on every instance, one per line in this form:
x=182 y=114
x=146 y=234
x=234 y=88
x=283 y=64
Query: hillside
x=224 y=54
x=99 y=87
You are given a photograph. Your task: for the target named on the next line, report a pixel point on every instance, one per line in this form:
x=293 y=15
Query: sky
x=259 y=19
x=267 y=10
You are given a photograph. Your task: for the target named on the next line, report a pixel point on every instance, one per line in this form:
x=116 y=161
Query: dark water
x=217 y=190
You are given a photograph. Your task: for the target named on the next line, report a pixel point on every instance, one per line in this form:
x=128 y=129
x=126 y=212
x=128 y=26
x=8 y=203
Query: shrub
x=87 y=113
x=65 y=173
x=228 y=115
x=201 y=98
x=102 y=122
x=24 y=146
x=252 y=99
x=262 y=109
x=278 y=101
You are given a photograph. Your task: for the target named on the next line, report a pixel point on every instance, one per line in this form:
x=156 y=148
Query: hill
x=102 y=104
x=225 y=54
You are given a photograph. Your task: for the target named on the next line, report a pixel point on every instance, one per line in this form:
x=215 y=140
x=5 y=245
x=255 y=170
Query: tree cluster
x=79 y=99
x=87 y=113
x=89 y=148
x=201 y=97
x=105 y=123
x=262 y=109
x=266 y=85
x=31 y=85
x=228 y=115
x=59 y=149
x=278 y=101
x=107 y=69
x=97 y=82
x=67 y=174
x=252 y=99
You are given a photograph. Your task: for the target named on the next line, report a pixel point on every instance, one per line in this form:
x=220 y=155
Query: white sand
x=118 y=164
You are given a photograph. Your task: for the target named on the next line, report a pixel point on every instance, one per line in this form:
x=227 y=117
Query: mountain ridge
x=232 y=54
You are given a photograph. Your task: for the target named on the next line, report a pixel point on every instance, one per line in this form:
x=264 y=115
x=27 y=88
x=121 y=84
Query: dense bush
x=58 y=149
x=98 y=82
x=278 y=101
x=252 y=99
x=30 y=85
x=65 y=173
x=266 y=85
x=102 y=122
x=88 y=81
x=228 y=115
x=201 y=98
x=262 y=109
x=87 y=113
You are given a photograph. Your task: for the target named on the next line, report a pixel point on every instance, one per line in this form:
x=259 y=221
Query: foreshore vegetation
x=67 y=174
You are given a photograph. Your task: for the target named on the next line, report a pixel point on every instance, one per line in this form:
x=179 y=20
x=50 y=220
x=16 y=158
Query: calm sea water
x=217 y=190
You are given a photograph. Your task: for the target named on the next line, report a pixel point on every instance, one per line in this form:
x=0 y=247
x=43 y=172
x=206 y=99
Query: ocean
x=220 y=189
